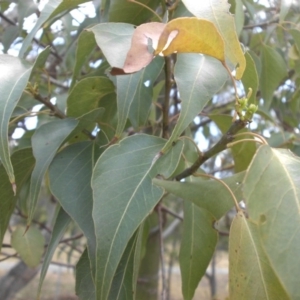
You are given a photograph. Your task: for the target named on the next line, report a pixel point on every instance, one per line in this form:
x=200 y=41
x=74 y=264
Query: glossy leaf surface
x=14 y=77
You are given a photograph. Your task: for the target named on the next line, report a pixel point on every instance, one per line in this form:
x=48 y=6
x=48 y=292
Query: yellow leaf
x=217 y=11
x=193 y=36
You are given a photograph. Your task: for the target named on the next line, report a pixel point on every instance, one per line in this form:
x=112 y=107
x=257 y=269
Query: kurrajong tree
x=154 y=111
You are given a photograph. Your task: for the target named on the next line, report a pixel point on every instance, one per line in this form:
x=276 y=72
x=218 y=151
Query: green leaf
x=59 y=228
x=25 y=9
x=198 y=78
x=114 y=39
x=23 y=162
x=123 y=196
x=51 y=9
x=29 y=244
x=86 y=94
x=13 y=77
x=217 y=12
x=272 y=73
x=87 y=122
x=85 y=46
x=70 y=182
x=8 y=37
x=45 y=142
x=141 y=103
x=239 y=17
x=108 y=122
x=85 y=288
x=250 y=274
x=198 y=243
x=207 y=194
x=250 y=78
x=285 y=6
x=138 y=255
x=124 y=11
x=122 y=285
x=243 y=152
x=272 y=195
x=127 y=86
x=296 y=35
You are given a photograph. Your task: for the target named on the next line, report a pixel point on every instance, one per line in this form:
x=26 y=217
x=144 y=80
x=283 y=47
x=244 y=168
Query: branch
x=262 y=25
x=219 y=147
x=162 y=261
x=166 y=103
x=170 y=212
x=55 y=111
x=11 y=22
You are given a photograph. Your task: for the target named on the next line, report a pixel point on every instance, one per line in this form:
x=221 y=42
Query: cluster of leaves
x=131 y=93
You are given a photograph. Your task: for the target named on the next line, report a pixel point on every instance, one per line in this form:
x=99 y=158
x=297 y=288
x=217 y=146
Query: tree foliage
x=151 y=110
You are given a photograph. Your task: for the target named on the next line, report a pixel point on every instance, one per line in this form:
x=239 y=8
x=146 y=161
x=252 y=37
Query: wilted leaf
x=193 y=36
x=29 y=245
x=144 y=38
x=272 y=195
x=250 y=273
x=198 y=78
x=273 y=71
x=217 y=12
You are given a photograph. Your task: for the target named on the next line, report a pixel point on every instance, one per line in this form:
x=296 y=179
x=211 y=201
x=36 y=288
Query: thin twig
x=8 y=256
x=264 y=24
x=55 y=111
x=166 y=103
x=170 y=212
x=72 y=238
x=162 y=261
x=62 y=264
x=11 y=22
x=217 y=148
x=20 y=214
